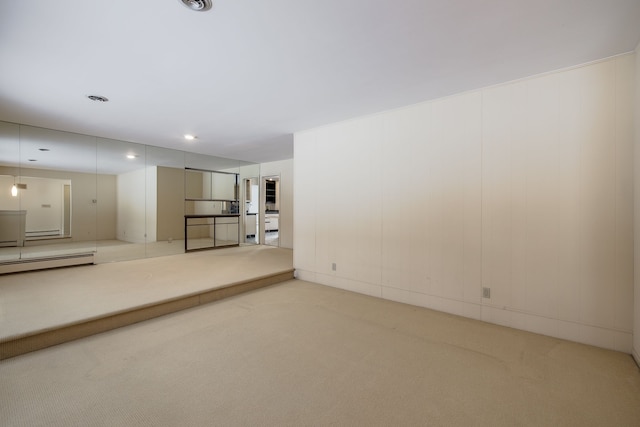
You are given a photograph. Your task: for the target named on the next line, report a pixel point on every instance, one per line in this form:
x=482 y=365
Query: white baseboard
x=597 y=336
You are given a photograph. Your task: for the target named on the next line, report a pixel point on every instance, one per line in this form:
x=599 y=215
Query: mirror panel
x=197 y=184
x=60 y=203
x=83 y=194
x=250 y=203
x=121 y=204
x=224 y=186
x=168 y=201
x=12 y=219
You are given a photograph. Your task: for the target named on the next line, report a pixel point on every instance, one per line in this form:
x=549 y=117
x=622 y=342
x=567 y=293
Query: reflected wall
x=123 y=200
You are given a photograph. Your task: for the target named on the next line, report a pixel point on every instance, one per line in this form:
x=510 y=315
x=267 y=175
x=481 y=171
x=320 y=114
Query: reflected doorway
x=251 y=211
x=271 y=208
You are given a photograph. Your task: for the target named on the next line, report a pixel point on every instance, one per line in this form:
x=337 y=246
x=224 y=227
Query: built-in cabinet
x=251 y=224
x=271 y=222
x=12 y=227
x=211 y=216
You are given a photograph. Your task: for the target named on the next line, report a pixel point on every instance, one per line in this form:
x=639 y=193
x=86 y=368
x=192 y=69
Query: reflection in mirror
x=117 y=199
x=122 y=214
x=195 y=184
x=250 y=203
x=167 y=166
x=58 y=170
x=11 y=216
x=212 y=217
x=48 y=202
x=271 y=187
x=251 y=210
x=224 y=186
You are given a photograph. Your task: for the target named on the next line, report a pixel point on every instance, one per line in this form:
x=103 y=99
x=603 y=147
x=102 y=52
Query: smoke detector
x=198 y=5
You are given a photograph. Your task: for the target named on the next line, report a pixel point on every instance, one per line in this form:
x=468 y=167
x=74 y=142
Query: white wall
x=283 y=168
x=636 y=310
x=525 y=188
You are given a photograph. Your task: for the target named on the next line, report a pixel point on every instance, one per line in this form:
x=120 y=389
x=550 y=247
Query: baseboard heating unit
x=28 y=264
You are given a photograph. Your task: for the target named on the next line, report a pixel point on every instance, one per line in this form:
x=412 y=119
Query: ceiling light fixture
x=98 y=98
x=131 y=156
x=198 y=5
x=189 y=137
x=15 y=187
x=44 y=149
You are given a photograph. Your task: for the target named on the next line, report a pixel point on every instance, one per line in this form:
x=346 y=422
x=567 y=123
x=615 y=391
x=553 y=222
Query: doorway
x=251 y=211
x=271 y=207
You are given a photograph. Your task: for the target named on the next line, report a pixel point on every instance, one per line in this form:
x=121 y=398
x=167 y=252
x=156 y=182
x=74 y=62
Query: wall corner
x=636 y=204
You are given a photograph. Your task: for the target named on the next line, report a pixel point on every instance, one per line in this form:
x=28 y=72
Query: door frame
x=263 y=207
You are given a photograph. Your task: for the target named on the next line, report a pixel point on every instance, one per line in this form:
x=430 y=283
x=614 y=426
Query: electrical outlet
x=486 y=292
x=333 y=266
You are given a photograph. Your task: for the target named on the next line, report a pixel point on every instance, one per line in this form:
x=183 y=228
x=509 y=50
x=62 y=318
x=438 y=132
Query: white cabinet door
x=250 y=225
x=271 y=222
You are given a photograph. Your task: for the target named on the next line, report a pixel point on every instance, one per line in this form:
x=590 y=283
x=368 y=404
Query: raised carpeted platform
x=44 y=308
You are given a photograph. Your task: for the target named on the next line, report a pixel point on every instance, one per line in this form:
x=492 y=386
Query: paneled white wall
x=525 y=188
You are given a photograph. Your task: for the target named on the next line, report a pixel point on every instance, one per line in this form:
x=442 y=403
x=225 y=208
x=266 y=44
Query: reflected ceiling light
x=131 y=156
x=189 y=137
x=14 y=191
x=198 y=5
x=98 y=98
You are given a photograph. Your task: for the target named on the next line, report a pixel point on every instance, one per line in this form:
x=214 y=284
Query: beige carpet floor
x=300 y=354
x=41 y=300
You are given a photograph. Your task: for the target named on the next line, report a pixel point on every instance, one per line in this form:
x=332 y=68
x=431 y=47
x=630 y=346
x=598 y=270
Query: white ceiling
x=247 y=74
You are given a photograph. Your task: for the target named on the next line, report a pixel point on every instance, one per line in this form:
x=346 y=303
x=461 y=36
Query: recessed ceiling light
x=32 y=160
x=131 y=156
x=189 y=137
x=198 y=5
x=44 y=149
x=98 y=98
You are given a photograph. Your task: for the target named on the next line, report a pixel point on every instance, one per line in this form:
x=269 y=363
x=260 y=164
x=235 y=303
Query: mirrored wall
x=63 y=193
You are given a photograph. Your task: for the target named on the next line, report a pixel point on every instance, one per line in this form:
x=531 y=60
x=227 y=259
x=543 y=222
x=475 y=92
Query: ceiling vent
x=198 y=5
x=97 y=98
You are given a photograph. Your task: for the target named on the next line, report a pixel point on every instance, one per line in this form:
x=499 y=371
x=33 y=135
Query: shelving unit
x=211 y=231
x=212 y=218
